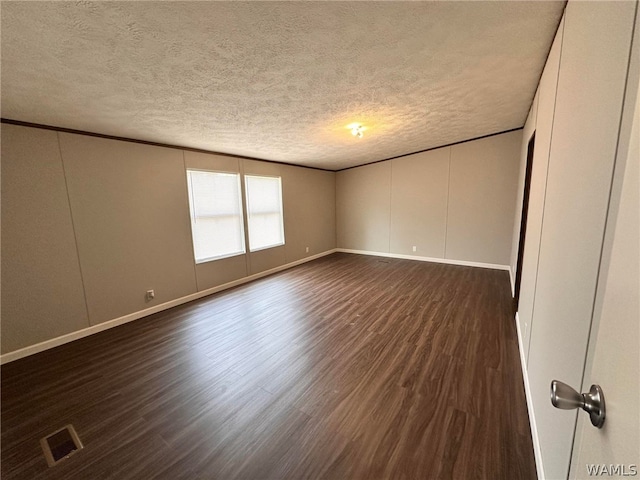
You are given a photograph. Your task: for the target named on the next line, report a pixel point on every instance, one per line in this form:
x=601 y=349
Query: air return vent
x=60 y=444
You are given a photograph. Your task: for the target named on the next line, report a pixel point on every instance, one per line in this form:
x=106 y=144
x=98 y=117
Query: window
x=216 y=214
x=264 y=212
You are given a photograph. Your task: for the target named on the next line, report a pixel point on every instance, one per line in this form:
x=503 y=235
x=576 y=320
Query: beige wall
x=309 y=211
x=130 y=231
x=482 y=198
x=456 y=202
x=419 y=215
x=363 y=206
x=42 y=294
x=133 y=230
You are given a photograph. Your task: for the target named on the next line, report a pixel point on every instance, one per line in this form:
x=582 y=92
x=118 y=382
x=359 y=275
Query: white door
x=613 y=361
x=591 y=83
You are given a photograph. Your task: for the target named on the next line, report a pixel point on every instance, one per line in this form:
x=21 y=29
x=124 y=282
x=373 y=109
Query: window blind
x=216 y=214
x=264 y=211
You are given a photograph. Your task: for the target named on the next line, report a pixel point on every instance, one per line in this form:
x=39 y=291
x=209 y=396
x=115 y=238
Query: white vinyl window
x=264 y=212
x=215 y=203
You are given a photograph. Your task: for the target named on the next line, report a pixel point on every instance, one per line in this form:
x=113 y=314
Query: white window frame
x=193 y=219
x=248 y=214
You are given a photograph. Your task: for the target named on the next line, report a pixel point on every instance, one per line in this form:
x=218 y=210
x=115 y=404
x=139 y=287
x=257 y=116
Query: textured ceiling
x=277 y=80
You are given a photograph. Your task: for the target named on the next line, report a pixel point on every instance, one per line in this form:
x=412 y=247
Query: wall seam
x=446 y=220
x=335 y=208
x=546 y=181
x=195 y=273
x=73 y=228
x=390 y=200
x=245 y=218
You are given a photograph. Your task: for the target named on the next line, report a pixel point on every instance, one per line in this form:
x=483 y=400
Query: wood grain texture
x=346 y=367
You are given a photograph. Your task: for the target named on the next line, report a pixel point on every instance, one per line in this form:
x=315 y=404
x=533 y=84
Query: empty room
x=337 y=240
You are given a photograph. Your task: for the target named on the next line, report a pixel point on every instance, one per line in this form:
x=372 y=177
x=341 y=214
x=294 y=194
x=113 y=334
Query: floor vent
x=60 y=444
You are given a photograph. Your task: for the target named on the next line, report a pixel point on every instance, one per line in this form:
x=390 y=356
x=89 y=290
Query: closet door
x=612 y=361
x=591 y=82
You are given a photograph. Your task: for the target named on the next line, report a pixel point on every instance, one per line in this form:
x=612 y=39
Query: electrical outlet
x=306 y=249
x=415 y=249
x=151 y=294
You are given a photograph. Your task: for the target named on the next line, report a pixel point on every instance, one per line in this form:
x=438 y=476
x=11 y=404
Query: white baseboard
x=513 y=283
x=85 y=332
x=427 y=259
x=532 y=417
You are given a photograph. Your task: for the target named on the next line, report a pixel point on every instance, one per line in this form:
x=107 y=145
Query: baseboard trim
x=464 y=263
x=532 y=418
x=85 y=332
x=513 y=283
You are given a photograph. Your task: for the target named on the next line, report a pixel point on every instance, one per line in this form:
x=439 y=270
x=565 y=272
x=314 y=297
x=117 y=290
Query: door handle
x=566 y=398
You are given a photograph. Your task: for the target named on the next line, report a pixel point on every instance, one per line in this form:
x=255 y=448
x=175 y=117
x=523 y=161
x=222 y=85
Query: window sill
x=266 y=248
x=221 y=257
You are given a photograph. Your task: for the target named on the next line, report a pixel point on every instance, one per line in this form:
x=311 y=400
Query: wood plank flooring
x=347 y=367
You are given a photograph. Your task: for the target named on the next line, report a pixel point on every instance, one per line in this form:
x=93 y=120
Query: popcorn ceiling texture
x=277 y=80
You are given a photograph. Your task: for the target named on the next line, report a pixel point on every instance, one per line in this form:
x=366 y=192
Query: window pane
x=216 y=214
x=264 y=211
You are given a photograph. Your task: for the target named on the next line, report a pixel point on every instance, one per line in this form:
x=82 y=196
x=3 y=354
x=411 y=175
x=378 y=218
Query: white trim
x=527 y=390
x=513 y=283
x=85 y=332
x=219 y=257
x=267 y=247
x=426 y=259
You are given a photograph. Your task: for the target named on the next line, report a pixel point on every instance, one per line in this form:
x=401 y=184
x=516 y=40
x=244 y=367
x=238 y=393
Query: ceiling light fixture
x=356 y=129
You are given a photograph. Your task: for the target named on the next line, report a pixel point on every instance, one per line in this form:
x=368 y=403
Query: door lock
x=566 y=398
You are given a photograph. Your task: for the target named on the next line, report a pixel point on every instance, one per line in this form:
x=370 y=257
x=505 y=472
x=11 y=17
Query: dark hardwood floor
x=347 y=367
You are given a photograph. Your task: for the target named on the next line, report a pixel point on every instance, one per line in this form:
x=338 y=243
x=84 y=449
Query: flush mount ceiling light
x=356 y=129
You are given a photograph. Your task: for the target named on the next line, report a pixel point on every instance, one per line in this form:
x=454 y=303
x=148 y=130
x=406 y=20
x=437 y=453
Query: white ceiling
x=277 y=80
